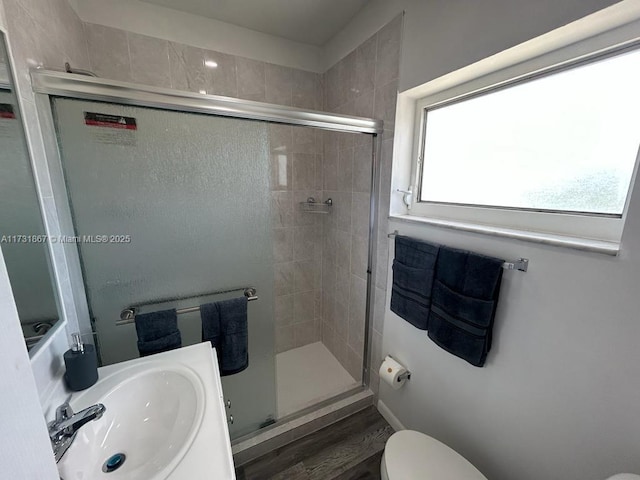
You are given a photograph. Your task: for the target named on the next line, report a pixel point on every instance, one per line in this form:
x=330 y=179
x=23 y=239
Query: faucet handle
x=63 y=412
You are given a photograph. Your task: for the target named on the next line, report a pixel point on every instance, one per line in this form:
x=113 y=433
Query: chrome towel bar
x=128 y=315
x=521 y=264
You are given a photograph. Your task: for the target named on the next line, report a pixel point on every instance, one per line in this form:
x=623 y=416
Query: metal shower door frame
x=47 y=84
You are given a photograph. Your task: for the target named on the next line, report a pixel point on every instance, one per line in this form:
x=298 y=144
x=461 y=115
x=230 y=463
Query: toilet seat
x=411 y=455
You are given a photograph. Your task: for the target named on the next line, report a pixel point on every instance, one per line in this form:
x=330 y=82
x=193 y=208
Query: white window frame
x=604 y=33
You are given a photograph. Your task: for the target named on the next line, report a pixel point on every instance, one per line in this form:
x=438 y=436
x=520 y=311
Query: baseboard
x=390 y=417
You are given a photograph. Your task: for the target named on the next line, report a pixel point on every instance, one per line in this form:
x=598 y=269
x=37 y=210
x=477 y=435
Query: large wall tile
x=347 y=75
x=343 y=249
x=365 y=69
x=385 y=103
x=281 y=171
x=108 y=52
x=342 y=210
x=284 y=339
x=345 y=170
x=283 y=278
x=149 y=60
x=388 y=57
x=359 y=255
x=307 y=243
x=360 y=214
x=343 y=285
x=303 y=307
x=307 y=90
x=354 y=363
x=304 y=333
x=278 y=84
x=304 y=171
x=283 y=310
x=186 y=65
x=362 y=168
x=221 y=73
x=282 y=245
x=281 y=209
x=363 y=107
x=304 y=276
x=332 y=88
x=280 y=138
x=306 y=140
x=251 y=79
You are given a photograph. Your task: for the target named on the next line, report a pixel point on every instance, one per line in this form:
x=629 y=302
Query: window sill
x=584 y=244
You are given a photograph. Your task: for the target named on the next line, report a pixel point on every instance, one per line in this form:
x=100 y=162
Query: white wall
x=559 y=397
x=160 y=22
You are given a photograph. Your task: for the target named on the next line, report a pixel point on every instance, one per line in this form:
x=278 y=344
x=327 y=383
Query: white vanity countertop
x=210 y=453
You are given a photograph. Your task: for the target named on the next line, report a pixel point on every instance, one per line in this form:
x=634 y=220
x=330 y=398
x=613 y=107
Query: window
x=564 y=142
x=539 y=142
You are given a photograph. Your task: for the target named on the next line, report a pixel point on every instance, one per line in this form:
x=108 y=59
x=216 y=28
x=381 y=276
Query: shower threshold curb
x=251 y=447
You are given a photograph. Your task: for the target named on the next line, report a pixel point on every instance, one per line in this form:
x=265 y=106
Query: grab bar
x=128 y=315
x=521 y=264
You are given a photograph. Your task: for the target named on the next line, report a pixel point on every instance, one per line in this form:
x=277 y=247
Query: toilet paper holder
x=406 y=375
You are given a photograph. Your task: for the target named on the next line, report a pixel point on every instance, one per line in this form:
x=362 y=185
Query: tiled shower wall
x=121 y=55
x=296 y=175
x=364 y=83
x=347 y=181
x=320 y=261
x=307 y=247
x=296 y=152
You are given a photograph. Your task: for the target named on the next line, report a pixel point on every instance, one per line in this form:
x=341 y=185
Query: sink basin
x=153 y=413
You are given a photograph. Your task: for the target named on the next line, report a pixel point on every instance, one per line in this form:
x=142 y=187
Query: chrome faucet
x=63 y=430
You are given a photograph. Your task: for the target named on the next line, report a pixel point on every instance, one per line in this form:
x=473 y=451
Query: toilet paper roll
x=390 y=372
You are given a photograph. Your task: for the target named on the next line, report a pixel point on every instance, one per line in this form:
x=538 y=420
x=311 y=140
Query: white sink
x=155 y=409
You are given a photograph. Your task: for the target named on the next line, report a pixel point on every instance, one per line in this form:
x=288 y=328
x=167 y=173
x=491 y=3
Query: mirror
x=22 y=234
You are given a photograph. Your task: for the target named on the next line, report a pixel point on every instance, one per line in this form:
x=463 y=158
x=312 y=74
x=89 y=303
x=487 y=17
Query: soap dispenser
x=81 y=363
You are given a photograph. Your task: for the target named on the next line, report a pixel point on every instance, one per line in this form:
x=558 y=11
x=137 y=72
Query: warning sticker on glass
x=6 y=111
x=116 y=129
x=109 y=121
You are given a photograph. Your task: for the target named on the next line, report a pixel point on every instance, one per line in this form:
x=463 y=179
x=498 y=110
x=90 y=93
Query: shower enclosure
x=180 y=199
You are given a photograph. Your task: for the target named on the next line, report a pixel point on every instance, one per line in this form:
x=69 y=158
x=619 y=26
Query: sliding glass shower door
x=172 y=205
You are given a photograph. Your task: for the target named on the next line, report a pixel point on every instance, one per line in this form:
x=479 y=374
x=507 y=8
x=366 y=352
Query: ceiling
x=308 y=21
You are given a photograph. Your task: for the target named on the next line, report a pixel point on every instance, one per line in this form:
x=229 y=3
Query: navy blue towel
x=464 y=300
x=224 y=324
x=413 y=270
x=157 y=332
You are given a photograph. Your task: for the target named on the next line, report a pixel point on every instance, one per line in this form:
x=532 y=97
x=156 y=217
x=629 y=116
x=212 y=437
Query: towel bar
x=128 y=315
x=521 y=264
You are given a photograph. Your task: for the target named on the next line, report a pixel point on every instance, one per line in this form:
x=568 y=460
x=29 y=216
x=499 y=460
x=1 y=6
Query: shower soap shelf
x=313 y=206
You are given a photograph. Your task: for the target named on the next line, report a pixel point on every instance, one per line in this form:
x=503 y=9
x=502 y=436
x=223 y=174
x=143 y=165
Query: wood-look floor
x=348 y=450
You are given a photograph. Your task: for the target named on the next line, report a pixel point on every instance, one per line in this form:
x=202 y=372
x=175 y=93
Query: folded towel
x=157 y=332
x=224 y=324
x=464 y=300
x=413 y=270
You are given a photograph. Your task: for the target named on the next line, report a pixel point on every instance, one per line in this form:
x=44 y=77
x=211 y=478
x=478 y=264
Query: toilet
x=410 y=455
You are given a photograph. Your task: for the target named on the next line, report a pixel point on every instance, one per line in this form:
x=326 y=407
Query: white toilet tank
x=410 y=455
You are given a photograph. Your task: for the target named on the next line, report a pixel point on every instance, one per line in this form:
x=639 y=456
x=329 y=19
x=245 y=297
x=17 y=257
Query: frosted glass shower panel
x=171 y=204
